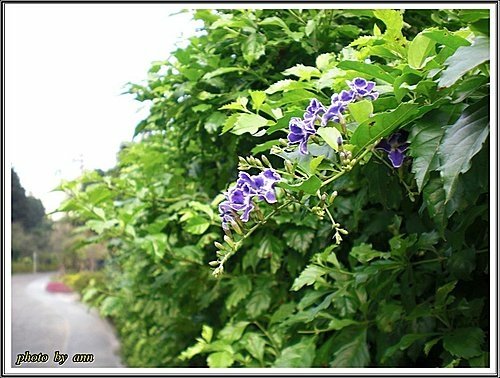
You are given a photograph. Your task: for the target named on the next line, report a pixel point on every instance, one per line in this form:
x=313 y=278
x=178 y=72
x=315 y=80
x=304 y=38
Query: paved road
x=44 y=322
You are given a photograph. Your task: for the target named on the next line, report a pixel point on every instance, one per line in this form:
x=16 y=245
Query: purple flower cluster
x=302 y=129
x=239 y=202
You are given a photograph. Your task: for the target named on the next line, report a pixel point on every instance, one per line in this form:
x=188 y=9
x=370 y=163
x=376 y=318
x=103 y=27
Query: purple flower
x=300 y=131
x=395 y=146
x=227 y=214
x=362 y=88
x=239 y=202
x=313 y=110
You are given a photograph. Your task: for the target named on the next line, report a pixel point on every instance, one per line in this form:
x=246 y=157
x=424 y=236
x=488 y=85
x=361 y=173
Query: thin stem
x=264 y=331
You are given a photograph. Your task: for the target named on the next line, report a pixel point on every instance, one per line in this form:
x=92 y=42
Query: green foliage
x=358 y=264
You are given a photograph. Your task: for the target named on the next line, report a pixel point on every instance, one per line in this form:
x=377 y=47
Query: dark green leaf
x=460 y=143
x=354 y=353
x=300 y=355
x=465 y=59
x=464 y=342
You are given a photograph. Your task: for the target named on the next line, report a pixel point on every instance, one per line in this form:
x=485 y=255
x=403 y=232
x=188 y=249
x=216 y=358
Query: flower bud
x=266 y=161
x=214 y=263
x=229 y=241
x=219 y=245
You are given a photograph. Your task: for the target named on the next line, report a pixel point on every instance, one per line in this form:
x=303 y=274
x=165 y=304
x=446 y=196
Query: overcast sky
x=66 y=66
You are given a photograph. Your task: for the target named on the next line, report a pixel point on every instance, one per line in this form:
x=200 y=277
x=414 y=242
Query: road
x=44 y=322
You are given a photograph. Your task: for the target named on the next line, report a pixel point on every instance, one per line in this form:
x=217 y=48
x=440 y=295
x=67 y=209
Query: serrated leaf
x=248 y=123
x=371 y=70
x=323 y=61
x=460 y=143
x=393 y=20
x=258 y=98
x=354 y=353
x=220 y=360
x=242 y=286
x=365 y=253
x=444 y=37
x=464 y=342
x=233 y=331
x=299 y=239
x=207 y=333
x=258 y=303
x=330 y=135
x=419 y=50
x=253 y=47
x=443 y=292
x=434 y=198
x=254 y=344
x=230 y=122
x=302 y=72
x=300 y=355
x=308 y=276
x=382 y=125
x=465 y=59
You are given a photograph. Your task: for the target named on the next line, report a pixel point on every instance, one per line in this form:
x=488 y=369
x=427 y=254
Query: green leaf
x=393 y=20
x=464 y=342
x=405 y=342
x=197 y=225
x=220 y=360
x=239 y=104
x=429 y=344
x=308 y=276
x=242 y=286
x=248 y=123
x=465 y=59
x=387 y=315
x=365 y=253
x=266 y=146
x=258 y=98
x=254 y=344
x=302 y=72
x=353 y=353
x=299 y=239
x=460 y=143
x=361 y=110
x=300 y=355
x=309 y=186
x=253 y=47
x=269 y=245
x=330 y=135
x=419 y=50
x=258 y=303
x=222 y=71
x=313 y=165
x=368 y=69
x=443 y=292
x=382 y=124
x=215 y=121
x=286 y=85
x=424 y=140
x=230 y=122
x=207 y=333
x=444 y=37
x=233 y=331
x=434 y=198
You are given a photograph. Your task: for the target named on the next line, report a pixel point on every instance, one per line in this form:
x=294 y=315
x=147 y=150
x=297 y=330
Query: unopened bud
x=289 y=166
x=266 y=161
x=229 y=241
x=283 y=142
x=237 y=228
x=342 y=231
x=332 y=197
x=219 y=245
x=214 y=263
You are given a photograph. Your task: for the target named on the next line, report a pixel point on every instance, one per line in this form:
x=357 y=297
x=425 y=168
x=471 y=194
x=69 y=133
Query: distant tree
x=27 y=210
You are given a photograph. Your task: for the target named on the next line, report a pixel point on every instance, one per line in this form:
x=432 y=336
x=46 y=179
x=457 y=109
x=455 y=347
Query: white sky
x=66 y=66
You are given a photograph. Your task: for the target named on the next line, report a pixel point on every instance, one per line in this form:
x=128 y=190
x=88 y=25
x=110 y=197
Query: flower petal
x=384 y=145
x=396 y=157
